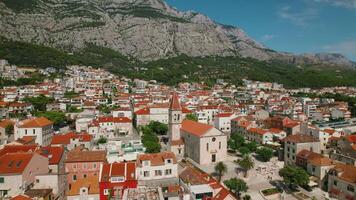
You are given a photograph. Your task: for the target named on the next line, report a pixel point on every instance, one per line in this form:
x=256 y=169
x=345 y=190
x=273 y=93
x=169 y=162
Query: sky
x=298 y=26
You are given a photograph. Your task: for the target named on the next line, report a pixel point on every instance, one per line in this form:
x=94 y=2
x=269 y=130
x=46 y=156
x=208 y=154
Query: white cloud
x=300 y=18
x=346 y=48
x=343 y=3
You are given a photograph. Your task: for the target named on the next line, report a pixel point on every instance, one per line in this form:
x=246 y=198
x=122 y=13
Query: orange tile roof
x=27 y=140
x=351 y=138
x=86 y=156
x=54 y=153
x=320 y=161
x=195 y=128
x=275 y=130
x=91 y=182
x=257 y=130
x=143 y=111
x=15 y=163
x=224 y=115
x=18 y=148
x=65 y=139
x=348 y=172
x=157 y=159
x=36 y=122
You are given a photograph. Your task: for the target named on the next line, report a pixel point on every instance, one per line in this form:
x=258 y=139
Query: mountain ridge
x=144 y=29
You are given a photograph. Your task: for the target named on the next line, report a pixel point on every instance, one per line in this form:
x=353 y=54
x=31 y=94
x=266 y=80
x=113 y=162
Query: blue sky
x=299 y=26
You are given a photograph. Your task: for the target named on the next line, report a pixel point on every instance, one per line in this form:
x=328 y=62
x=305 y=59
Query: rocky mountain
x=144 y=29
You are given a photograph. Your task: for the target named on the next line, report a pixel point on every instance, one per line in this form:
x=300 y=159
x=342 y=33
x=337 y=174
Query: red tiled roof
x=275 y=130
x=18 y=148
x=15 y=163
x=26 y=140
x=257 y=130
x=21 y=197
x=65 y=139
x=127 y=170
x=177 y=142
x=156 y=159
x=224 y=115
x=185 y=110
x=54 y=153
x=195 y=128
x=351 y=138
x=36 y=122
x=143 y=111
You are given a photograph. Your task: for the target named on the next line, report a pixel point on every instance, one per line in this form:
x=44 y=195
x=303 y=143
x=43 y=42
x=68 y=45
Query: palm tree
x=247 y=197
x=220 y=169
x=246 y=164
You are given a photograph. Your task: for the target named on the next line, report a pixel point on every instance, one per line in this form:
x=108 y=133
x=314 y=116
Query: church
x=200 y=142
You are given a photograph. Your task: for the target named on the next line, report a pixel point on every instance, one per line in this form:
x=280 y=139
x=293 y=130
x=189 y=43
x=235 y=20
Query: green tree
x=9 y=129
x=236 y=185
x=252 y=146
x=264 y=154
x=192 y=117
x=40 y=102
x=247 y=197
x=220 y=169
x=294 y=176
x=244 y=150
x=56 y=117
x=236 y=141
x=102 y=140
x=158 y=127
x=246 y=164
x=150 y=140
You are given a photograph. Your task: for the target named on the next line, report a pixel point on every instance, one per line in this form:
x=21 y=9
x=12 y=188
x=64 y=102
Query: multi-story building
x=115 y=178
x=342 y=182
x=293 y=144
x=40 y=127
x=18 y=171
x=156 y=166
x=203 y=143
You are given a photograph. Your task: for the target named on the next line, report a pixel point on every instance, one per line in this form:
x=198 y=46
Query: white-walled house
x=156 y=166
x=41 y=128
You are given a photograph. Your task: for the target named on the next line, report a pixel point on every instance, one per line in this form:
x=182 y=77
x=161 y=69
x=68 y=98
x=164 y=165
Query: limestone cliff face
x=145 y=29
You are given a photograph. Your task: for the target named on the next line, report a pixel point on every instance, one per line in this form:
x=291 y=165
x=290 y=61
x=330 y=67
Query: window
x=207 y=146
x=84 y=176
x=37 y=180
x=168 y=160
x=117 y=179
x=350 y=188
x=335 y=183
x=158 y=173
x=33 y=131
x=146 y=173
x=2 y=180
x=219 y=145
x=25 y=131
x=85 y=166
x=168 y=171
x=313 y=169
x=74 y=166
x=106 y=192
x=74 y=177
x=94 y=165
